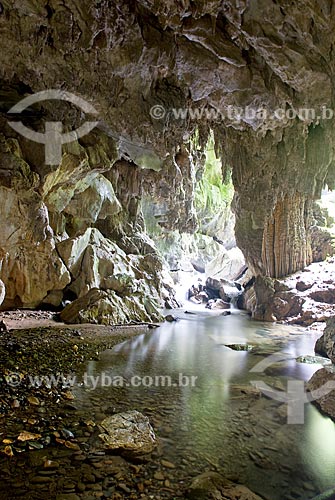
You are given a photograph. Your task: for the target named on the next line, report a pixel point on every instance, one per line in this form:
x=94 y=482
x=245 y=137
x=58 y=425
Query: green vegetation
x=213 y=197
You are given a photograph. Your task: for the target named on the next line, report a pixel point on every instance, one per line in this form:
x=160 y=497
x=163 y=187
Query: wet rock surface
x=212 y=486
x=303 y=298
x=322 y=388
x=216 y=293
x=209 y=56
x=325 y=345
x=128 y=433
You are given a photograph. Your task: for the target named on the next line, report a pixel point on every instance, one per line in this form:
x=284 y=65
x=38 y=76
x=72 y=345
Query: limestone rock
x=322 y=388
x=2 y=292
x=93 y=260
x=217 y=304
x=107 y=308
x=226 y=264
x=213 y=486
x=301 y=298
x=325 y=345
x=129 y=433
x=30 y=267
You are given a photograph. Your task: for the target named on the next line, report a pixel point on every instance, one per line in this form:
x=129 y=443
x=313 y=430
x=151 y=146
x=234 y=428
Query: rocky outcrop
x=130 y=434
x=273 y=211
x=325 y=345
x=215 y=293
x=108 y=308
x=322 y=389
x=50 y=250
x=226 y=264
x=322 y=240
x=29 y=264
x=303 y=298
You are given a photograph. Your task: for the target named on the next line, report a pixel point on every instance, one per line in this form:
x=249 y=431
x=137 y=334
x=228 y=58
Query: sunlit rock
x=108 y=308
x=128 y=433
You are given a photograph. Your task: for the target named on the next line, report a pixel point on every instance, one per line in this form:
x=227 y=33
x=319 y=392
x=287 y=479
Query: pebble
x=49 y=472
x=40 y=480
x=33 y=400
x=70 y=496
x=124 y=488
x=167 y=464
x=89 y=478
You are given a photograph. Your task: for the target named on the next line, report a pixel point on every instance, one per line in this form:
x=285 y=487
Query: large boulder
x=212 y=486
x=108 y=308
x=111 y=286
x=93 y=261
x=226 y=264
x=325 y=345
x=322 y=388
x=130 y=433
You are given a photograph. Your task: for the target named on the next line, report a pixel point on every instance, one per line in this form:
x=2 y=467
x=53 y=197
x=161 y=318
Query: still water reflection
x=221 y=423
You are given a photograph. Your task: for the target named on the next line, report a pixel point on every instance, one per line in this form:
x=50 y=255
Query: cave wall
x=76 y=232
x=125 y=57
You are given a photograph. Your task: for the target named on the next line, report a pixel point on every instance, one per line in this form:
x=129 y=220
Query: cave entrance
x=195 y=236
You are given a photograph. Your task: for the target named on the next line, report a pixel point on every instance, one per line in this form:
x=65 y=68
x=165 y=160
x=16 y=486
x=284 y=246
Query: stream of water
x=221 y=423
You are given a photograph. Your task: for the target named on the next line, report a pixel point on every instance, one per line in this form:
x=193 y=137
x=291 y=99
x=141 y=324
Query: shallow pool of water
x=220 y=422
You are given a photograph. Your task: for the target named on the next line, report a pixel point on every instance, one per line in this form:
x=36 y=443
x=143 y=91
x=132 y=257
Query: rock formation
x=124 y=58
x=325 y=345
x=302 y=298
x=322 y=388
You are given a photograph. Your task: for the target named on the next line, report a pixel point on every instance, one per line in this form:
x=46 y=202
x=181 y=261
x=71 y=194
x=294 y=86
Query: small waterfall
x=184 y=283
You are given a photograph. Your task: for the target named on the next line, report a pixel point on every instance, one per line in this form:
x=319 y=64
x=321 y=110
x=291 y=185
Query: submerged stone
x=213 y=486
x=130 y=433
x=239 y=347
x=313 y=360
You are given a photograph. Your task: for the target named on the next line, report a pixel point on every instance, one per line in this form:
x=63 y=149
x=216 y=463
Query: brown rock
x=212 y=486
x=322 y=388
x=325 y=345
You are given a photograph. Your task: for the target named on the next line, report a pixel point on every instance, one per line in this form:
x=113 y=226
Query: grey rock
x=130 y=433
x=325 y=345
x=322 y=388
x=213 y=486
